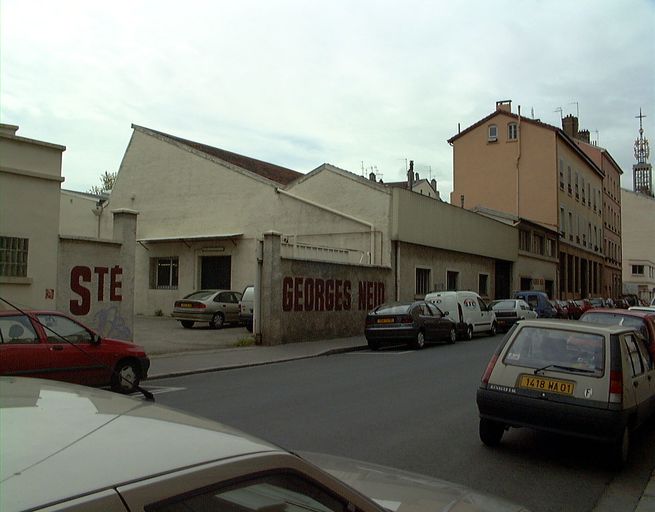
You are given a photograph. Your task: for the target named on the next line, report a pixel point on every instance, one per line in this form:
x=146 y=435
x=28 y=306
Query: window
x=13 y=256
x=550 y=247
x=583 y=194
x=561 y=174
x=512 y=131
x=561 y=220
x=452 y=278
x=524 y=240
x=163 y=273
x=492 y=133
x=577 y=189
x=483 y=285
x=284 y=492
x=64 y=327
x=17 y=329
x=635 y=359
x=569 y=177
x=570 y=226
x=422 y=281
x=538 y=244
x=638 y=270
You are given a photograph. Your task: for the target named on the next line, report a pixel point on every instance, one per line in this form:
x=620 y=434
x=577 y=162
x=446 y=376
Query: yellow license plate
x=561 y=387
x=385 y=320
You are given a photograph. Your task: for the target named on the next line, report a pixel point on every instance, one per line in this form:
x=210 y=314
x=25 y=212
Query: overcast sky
x=299 y=83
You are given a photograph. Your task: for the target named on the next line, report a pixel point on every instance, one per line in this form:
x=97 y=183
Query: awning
x=189 y=239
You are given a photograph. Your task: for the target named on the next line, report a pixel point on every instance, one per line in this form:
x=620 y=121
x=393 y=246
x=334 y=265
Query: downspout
x=340 y=214
x=98 y=210
x=518 y=166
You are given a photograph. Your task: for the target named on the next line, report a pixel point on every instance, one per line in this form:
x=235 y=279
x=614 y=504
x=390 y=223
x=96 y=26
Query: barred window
x=524 y=240
x=163 y=273
x=422 y=281
x=13 y=256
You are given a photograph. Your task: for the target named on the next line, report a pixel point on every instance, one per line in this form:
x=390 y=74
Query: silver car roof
x=576 y=325
x=61 y=440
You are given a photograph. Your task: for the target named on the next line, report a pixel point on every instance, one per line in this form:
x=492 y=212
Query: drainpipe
x=340 y=214
x=97 y=211
x=518 y=162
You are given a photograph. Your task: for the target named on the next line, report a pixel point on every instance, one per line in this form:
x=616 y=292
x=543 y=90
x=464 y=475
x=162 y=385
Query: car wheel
x=126 y=377
x=217 y=321
x=469 y=332
x=187 y=324
x=452 y=335
x=491 y=432
x=493 y=330
x=621 y=449
x=419 y=342
x=373 y=345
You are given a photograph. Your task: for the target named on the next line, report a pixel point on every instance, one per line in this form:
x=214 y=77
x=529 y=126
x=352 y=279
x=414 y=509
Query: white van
x=468 y=310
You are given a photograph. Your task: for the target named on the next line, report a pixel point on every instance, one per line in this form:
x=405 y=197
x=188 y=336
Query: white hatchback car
x=586 y=380
x=73 y=448
x=510 y=311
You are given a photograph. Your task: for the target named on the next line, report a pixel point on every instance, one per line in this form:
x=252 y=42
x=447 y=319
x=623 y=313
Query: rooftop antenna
x=597 y=137
x=577 y=108
x=561 y=114
x=363 y=168
x=532 y=112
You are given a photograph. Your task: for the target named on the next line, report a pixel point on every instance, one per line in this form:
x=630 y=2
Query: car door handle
x=56 y=347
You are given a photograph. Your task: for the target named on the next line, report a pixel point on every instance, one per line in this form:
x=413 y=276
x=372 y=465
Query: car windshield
x=394 y=309
x=569 y=351
x=201 y=295
x=616 y=319
x=503 y=304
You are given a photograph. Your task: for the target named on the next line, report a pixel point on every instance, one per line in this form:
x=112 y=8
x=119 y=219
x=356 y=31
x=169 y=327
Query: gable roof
x=272 y=172
x=568 y=140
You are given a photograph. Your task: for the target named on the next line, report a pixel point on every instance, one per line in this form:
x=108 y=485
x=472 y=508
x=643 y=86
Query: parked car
x=642 y=308
x=510 y=311
x=52 y=345
x=68 y=447
x=598 y=302
x=561 y=308
x=413 y=323
x=246 y=305
x=215 y=307
x=538 y=301
x=468 y=310
x=584 y=380
x=575 y=311
x=643 y=321
x=584 y=305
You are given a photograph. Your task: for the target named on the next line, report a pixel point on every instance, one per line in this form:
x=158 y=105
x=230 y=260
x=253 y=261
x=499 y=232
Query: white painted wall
x=30 y=178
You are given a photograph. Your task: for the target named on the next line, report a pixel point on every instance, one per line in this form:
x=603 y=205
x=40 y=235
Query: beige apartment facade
x=534 y=171
x=638 y=234
x=611 y=241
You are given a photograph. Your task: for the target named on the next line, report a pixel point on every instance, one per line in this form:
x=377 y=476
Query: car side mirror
x=445 y=313
x=95 y=338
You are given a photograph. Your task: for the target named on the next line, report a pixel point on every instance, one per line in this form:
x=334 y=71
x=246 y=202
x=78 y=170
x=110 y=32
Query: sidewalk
x=175 y=351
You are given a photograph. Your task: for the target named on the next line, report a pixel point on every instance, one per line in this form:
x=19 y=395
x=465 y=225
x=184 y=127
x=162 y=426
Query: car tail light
x=490 y=367
x=616 y=387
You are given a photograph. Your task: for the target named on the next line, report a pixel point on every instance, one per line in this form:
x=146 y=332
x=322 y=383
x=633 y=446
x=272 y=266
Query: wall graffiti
x=109 y=323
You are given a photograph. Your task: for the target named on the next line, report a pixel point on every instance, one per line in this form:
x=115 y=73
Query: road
x=414 y=410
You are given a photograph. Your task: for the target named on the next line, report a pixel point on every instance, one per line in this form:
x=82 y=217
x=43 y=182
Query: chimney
x=410 y=175
x=584 y=136
x=8 y=129
x=570 y=126
x=433 y=182
x=504 y=105
x=371 y=176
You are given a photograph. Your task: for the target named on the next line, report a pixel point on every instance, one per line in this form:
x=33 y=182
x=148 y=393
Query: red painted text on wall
x=104 y=276
x=315 y=294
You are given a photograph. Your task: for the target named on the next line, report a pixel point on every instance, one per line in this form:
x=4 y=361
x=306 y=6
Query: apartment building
x=535 y=171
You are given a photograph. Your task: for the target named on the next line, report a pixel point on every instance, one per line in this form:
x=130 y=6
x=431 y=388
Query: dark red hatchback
x=31 y=345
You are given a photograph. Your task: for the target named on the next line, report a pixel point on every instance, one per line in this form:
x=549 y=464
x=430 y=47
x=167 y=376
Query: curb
x=237 y=366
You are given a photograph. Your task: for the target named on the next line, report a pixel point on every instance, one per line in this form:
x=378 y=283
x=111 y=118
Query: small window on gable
x=512 y=131
x=492 y=135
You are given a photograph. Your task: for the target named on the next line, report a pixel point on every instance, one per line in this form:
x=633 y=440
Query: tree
x=107 y=181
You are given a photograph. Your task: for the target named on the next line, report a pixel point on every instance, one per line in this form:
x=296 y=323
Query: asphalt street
x=414 y=410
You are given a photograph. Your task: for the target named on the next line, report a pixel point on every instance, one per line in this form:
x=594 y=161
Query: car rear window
x=201 y=295
x=568 y=351
x=248 y=294
x=399 y=309
x=503 y=304
x=616 y=319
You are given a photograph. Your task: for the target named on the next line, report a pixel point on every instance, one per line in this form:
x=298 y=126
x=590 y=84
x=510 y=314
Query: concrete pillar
x=271 y=290
x=125 y=233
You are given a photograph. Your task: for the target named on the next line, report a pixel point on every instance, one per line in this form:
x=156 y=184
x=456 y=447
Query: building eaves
x=585 y=146
x=276 y=173
x=382 y=187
